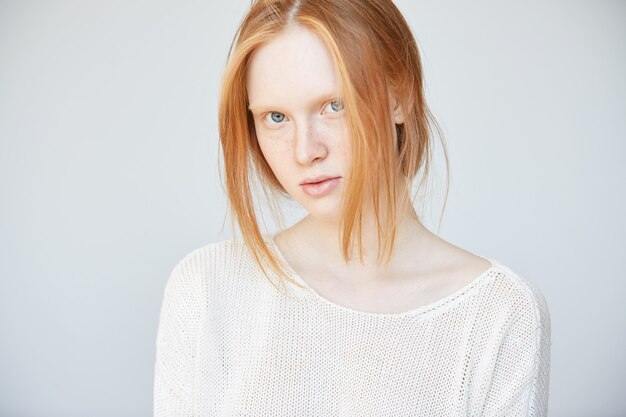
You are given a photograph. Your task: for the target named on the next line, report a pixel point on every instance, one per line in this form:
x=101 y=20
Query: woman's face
x=293 y=93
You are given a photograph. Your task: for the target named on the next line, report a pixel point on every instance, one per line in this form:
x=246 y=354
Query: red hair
x=374 y=53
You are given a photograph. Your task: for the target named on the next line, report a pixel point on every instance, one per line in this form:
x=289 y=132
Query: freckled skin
x=302 y=131
x=293 y=75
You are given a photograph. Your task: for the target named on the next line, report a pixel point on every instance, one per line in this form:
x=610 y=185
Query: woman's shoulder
x=206 y=250
x=515 y=290
x=227 y=259
x=210 y=256
x=190 y=278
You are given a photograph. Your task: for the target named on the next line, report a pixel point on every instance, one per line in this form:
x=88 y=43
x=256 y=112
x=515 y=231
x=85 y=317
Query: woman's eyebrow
x=261 y=107
x=323 y=98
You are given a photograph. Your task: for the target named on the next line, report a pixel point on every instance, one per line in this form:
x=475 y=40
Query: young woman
x=357 y=309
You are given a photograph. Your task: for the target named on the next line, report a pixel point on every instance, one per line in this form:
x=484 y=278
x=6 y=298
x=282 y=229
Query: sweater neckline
x=434 y=305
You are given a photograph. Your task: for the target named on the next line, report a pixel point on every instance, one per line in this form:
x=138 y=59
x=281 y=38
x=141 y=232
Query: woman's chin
x=326 y=213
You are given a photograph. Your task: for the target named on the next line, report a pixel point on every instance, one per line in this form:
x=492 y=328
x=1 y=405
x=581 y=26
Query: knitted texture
x=230 y=344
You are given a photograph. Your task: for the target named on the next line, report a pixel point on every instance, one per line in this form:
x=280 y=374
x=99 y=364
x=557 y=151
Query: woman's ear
x=396 y=109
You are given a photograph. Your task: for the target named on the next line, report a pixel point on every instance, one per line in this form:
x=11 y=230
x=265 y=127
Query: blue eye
x=277 y=117
x=336 y=105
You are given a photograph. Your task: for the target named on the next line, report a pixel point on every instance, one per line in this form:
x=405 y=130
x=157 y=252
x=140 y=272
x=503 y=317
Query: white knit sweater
x=230 y=344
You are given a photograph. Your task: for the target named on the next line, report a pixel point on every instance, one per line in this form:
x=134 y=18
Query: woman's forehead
x=293 y=66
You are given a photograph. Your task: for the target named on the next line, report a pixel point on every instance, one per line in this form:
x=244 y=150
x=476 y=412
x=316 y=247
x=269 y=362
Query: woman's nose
x=309 y=143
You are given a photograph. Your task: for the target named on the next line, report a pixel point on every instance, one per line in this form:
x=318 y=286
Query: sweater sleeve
x=520 y=384
x=180 y=316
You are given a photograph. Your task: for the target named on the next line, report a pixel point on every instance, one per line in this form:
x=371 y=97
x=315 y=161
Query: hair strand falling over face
x=376 y=57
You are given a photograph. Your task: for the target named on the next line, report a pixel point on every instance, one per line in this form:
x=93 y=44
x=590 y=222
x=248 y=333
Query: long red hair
x=374 y=52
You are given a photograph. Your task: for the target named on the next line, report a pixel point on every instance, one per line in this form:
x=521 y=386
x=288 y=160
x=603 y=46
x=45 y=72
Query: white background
x=109 y=176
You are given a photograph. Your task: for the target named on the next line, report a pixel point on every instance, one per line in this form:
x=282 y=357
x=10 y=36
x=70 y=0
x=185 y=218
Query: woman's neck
x=317 y=243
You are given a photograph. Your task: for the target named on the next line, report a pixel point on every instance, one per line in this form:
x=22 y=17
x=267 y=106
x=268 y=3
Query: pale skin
x=293 y=93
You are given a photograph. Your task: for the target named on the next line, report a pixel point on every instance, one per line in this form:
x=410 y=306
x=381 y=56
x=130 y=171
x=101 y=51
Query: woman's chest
x=293 y=366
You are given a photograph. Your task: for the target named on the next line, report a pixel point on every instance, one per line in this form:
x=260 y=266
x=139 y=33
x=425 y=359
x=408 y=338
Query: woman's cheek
x=272 y=147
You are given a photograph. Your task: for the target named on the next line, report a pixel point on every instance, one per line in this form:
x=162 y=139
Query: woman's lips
x=320 y=188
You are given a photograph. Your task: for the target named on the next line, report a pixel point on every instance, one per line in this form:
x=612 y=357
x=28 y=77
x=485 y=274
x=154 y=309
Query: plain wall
x=109 y=176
